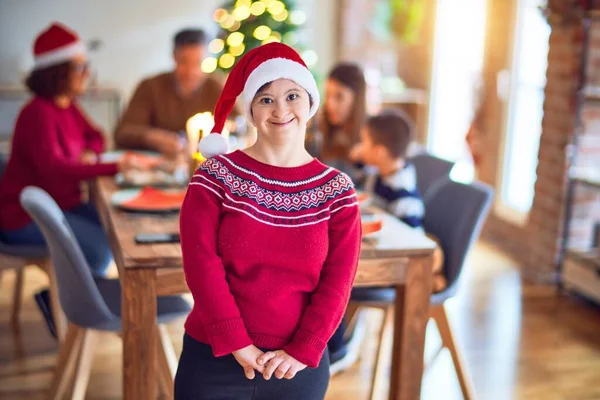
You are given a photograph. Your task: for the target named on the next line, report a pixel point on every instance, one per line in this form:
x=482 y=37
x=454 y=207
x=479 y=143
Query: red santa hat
x=56 y=45
x=259 y=66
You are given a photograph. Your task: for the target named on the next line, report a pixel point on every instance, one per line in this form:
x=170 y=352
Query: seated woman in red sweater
x=55 y=148
x=270 y=239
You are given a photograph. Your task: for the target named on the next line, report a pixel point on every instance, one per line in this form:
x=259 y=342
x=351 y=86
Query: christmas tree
x=246 y=24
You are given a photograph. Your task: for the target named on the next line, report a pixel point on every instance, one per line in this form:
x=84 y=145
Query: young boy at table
x=385 y=139
x=390 y=179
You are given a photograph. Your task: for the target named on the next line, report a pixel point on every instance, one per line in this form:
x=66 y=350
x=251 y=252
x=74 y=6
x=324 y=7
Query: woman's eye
x=293 y=96
x=266 y=100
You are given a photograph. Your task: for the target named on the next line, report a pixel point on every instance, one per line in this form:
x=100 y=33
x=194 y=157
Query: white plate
x=122 y=196
x=114 y=156
x=111 y=156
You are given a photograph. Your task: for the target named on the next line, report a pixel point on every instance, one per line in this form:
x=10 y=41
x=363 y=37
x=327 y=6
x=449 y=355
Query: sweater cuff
x=112 y=169
x=96 y=146
x=227 y=337
x=306 y=348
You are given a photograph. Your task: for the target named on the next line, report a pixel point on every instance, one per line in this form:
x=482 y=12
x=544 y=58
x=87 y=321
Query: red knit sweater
x=269 y=254
x=46 y=147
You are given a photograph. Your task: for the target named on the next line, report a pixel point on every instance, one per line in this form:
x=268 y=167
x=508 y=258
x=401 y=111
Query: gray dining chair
x=17 y=258
x=429 y=170
x=454 y=214
x=90 y=305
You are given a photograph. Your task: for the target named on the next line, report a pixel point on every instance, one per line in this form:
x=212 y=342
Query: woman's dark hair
x=350 y=75
x=50 y=81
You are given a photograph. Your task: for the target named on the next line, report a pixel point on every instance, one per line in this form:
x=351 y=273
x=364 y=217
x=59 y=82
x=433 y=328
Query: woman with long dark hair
x=343 y=114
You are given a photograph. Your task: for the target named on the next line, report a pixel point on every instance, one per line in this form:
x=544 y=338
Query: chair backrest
x=3 y=163
x=429 y=170
x=454 y=213
x=79 y=296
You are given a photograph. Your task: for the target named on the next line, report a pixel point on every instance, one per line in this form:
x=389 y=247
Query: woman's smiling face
x=281 y=107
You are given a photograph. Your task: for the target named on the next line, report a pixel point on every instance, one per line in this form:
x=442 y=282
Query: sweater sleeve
x=48 y=157
x=204 y=269
x=94 y=140
x=328 y=302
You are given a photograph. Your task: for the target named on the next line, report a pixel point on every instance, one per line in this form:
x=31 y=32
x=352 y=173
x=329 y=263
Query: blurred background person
x=55 y=147
x=162 y=104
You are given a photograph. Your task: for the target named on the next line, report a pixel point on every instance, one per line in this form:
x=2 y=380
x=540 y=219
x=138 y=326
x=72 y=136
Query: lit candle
x=197 y=127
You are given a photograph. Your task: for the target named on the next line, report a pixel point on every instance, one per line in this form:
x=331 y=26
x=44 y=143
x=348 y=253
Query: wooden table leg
x=410 y=324
x=139 y=334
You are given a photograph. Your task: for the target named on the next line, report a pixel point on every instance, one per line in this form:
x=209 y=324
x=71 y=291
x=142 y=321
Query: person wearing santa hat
x=270 y=239
x=55 y=147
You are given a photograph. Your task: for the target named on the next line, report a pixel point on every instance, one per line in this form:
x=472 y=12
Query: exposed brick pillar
x=535 y=245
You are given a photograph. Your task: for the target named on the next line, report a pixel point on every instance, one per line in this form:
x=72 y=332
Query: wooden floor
x=519 y=342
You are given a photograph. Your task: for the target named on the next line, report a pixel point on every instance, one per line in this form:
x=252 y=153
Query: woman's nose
x=280 y=109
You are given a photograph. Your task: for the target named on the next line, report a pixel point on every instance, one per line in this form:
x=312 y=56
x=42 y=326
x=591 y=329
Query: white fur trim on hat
x=280 y=68
x=60 y=55
x=213 y=145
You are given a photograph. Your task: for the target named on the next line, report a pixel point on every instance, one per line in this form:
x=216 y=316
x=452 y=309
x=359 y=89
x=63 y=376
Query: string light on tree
x=298 y=17
x=226 y=61
x=237 y=50
x=228 y=22
x=220 y=15
x=246 y=24
x=282 y=16
x=262 y=32
x=309 y=57
x=235 y=39
x=257 y=8
x=276 y=7
x=209 y=65
x=216 y=46
x=241 y=13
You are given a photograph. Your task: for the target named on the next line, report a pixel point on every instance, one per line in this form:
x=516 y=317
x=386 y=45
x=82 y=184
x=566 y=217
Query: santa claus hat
x=259 y=66
x=56 y=45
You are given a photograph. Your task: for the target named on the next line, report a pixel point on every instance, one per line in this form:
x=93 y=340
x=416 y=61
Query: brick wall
x=586 y=210
x=535 y=244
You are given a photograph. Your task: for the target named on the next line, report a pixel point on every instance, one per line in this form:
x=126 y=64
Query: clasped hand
x=277 y=363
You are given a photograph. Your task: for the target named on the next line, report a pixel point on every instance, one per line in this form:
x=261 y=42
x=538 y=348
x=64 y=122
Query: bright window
x=525 y=107
x=457 y=65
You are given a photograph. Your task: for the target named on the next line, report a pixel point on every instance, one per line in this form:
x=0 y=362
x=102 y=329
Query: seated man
x=162 y=104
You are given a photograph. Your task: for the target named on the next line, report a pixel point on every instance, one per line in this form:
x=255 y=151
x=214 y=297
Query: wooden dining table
x=397 y=256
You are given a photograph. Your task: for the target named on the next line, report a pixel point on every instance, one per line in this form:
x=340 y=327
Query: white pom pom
x=213 y=145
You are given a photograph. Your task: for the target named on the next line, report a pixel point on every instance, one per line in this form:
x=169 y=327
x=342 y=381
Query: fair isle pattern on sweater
x=276 y=182
x=273 y=202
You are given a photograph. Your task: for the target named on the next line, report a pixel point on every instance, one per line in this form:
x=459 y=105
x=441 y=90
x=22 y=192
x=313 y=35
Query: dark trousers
x=202 y=376
x=337 y=340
